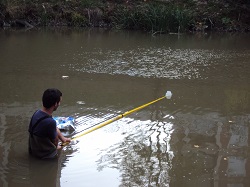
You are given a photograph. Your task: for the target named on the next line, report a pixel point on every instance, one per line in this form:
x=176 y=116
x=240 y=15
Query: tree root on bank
x=24 y=24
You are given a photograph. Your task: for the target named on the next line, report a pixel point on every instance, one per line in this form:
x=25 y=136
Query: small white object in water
x=65 y=77
x=80 y=102
x=168 y=94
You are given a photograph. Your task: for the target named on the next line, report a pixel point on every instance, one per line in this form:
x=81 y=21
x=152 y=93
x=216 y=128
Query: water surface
x=198 y=138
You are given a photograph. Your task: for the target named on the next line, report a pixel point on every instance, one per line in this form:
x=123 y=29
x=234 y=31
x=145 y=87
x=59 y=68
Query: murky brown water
x=198 y=138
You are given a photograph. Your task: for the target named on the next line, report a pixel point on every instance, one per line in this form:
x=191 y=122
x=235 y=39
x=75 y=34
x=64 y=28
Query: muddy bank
x=152 y=16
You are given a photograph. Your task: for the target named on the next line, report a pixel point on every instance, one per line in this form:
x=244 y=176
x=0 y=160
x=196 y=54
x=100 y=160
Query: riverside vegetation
x=156 y=16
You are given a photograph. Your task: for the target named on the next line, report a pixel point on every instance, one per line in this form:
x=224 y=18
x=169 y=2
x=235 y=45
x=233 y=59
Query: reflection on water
x=5 y=147
x=160 y=62
x=200 y=150
x=198 y=138
x=144 y=157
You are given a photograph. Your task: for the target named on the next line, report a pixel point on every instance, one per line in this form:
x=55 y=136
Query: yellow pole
x=114 y=119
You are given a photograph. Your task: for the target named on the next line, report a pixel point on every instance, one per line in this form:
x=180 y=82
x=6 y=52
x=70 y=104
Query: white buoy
x=168 y=94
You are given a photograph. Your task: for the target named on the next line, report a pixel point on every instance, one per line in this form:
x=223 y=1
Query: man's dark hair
x=51 y=97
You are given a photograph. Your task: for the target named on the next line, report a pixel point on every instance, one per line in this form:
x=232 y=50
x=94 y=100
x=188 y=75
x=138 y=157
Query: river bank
x=151 y=16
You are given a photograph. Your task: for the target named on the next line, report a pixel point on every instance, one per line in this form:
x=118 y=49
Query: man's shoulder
x=49 y=120
x=42 y=123
x=41 y=114
x=46 y=118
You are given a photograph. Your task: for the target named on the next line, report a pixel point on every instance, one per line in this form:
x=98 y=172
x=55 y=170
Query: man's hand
x=68 y=140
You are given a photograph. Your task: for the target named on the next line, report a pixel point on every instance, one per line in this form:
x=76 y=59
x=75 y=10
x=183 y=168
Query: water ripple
x=155 y=62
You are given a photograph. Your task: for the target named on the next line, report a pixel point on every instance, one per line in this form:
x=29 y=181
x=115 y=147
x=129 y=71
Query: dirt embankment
x=187 y=15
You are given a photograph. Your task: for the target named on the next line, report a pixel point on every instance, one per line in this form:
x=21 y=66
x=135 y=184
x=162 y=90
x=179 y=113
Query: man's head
x=51 y=98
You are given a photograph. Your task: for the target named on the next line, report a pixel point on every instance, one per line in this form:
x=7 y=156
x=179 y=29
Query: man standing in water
x=44 y=135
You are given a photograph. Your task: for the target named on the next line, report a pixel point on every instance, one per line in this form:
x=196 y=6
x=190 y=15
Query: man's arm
x=61 y=137
x=55 y=142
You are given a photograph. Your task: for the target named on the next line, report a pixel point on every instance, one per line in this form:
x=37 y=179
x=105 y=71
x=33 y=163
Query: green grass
x=152 y=17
